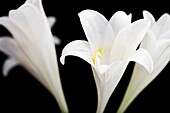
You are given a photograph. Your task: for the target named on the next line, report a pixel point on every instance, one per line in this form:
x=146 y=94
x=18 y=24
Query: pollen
x=100 y=50
x=94 y=59
x=98 y=53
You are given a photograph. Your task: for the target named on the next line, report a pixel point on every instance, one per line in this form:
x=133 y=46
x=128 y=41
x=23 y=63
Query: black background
x=20 y=92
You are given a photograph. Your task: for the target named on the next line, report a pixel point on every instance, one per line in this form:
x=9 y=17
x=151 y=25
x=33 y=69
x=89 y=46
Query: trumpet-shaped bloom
x=110 y=47
x=157 y=43
x=32 y=46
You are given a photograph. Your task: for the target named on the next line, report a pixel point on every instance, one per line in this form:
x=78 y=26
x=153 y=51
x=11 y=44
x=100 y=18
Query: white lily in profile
x=157 y=43
x=32 y=46
x=111 y=46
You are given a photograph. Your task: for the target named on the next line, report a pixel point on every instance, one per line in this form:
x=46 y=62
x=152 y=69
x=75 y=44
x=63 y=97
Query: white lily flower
x=157 y=43
x=111 y=46
x=33 y=46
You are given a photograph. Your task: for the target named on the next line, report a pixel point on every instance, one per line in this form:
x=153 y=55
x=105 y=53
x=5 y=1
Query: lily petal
x=39 y=36
x=162 y=25
x=77 y=48
x=149 y=16
x=119 y=20
x=51 y=21
x=4 y=21
x=153 y=46
x=144 y=58
x=97 y=29
x=157 y=43
x=8 y=65
x=24 y=13
x=146 y=43
x=141 y=78
x=128 y=39
x=107 y=82
x=162 y=45
x=9 y=46
x=165 y=36
x=57 y=41
x=162 y=61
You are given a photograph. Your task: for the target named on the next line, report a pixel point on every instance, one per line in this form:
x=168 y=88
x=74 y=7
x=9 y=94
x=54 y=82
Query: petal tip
x=52 y=18
x=145 y=12
x=81 y=13
x=57 y=41
x=5 y=74
x=86 y=12
x=62 y=60
x=51 y=21
x=8 y=65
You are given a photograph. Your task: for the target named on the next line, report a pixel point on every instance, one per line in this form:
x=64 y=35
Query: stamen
x=100 y=50
x=98 y=53
x=94 y=59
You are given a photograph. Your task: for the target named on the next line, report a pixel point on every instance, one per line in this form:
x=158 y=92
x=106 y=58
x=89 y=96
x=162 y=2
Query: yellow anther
x=94 y=59
x=100 y=50
x=99 y=54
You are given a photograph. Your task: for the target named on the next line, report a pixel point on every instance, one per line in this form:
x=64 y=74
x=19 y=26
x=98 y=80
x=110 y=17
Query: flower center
x=97 y=54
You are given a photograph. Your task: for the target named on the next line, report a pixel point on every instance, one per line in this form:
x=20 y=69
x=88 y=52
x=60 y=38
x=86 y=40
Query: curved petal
x=142 y=57
x=97 y=29
x=129 y=39
x=8 y=65
x=162 y=25
x=51 y=21
x=77 y=48
x=149 y=16
x=149 y=43
x=120 y=20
